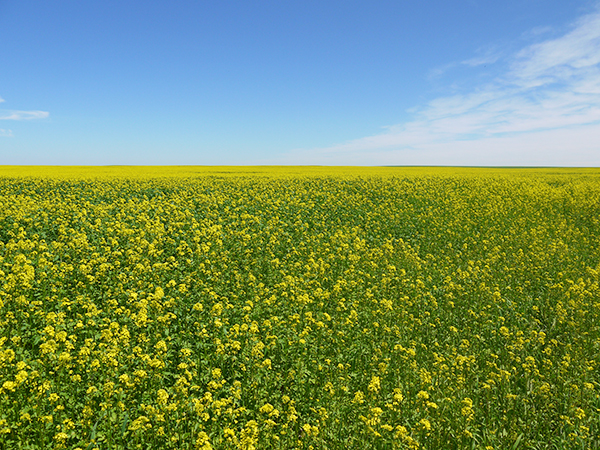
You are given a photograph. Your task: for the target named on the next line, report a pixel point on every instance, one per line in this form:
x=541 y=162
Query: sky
x=410 y=82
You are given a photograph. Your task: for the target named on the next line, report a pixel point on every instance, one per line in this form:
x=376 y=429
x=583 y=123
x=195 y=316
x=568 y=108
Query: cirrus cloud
x=23 y=115
x=7 y=114
x=542 y=109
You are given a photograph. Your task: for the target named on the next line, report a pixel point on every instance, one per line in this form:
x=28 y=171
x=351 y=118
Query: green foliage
x=388 y=311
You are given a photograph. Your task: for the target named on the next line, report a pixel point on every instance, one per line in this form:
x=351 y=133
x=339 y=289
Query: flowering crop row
x=300 y=308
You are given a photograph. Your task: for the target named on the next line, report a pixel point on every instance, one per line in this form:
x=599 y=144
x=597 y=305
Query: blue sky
x=462 y=82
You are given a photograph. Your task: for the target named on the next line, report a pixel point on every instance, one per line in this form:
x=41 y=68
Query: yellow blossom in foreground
x=298 y=307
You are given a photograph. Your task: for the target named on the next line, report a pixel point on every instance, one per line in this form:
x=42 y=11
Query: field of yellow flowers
x=299 y=308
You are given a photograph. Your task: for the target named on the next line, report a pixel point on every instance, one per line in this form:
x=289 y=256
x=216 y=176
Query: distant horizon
x=300 y=166
x=295 y=165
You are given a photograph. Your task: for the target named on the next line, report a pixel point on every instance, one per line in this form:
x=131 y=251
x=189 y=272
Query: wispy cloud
x=543 y=109
x=23 y=115
x=5 y=133
x=6 y=114
x=537 y=31
x=484 y=56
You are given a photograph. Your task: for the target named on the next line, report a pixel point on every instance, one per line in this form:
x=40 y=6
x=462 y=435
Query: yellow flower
x=140 y=374
x=9 y=386
x=398 y=397
x=374 y=385
x=124 y=378
x=140 y=422
x=266 y=408
x=162 y=397
x=161 y=346
x=249 y=436
x=21 y=377
x=359 y=397
x=467 y=409
x=61 y=437
x=425 y=424
x=203 y=441
x=307 y=428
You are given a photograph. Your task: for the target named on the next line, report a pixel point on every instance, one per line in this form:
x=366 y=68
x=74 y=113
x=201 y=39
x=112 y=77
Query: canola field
x=299 y=308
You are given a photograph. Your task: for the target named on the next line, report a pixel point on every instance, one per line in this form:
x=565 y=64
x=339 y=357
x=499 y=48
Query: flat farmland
x=299 y=308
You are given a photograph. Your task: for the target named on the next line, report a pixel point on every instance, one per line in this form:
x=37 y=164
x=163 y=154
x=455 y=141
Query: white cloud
x=486 y=56
x=572 y=56
x=5 y=133
x=544 y=109
x=437 y=72
x=23 y=115
x=538 y=31
x=481 y=60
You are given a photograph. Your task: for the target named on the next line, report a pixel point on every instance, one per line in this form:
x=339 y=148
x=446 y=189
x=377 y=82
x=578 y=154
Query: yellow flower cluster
x=299 y=308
